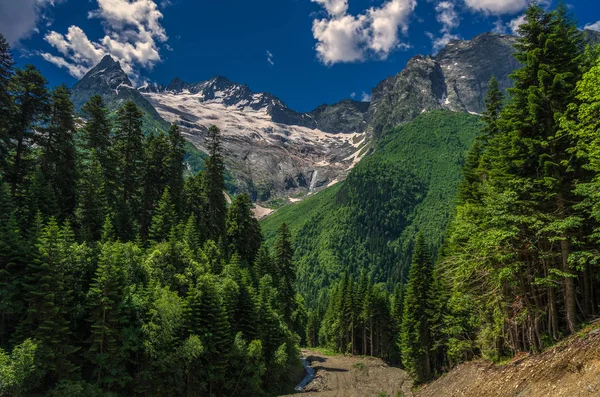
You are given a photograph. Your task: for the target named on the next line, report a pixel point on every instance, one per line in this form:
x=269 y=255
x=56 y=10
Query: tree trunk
x=569 y=283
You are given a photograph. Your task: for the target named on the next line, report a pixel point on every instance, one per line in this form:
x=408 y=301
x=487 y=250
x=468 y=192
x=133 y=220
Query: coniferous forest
x=517 y=267
x=122 y=274
x=118 y=275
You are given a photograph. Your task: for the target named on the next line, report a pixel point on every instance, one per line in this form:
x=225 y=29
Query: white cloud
x=270 y=58
x=365 y=97
x=593 y=26
x=447 y=16
x=441 y=42
x=19 y=18
x=353 y=95
x=335 y=8
x=132 y=35
x=342 y=37
x=514 y=24
x=497 y=7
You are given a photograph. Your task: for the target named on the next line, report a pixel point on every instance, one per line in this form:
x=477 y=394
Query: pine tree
x=263 y=265
x=103 y=300
x=551 y=50
x=98 y=139
x=415 y=342
x=214 y=182
x=207 y=318
x=58 y=161
x=129 y=146
x=47 y=291
x=475 y=166
x=286 y=271
x=176 y=166
x=92 y=206
x=156 y=177
x=195 y=203
x=29 y=93
x=12 y=266
x=6 y=104
x=164 y=218
x=243 y=231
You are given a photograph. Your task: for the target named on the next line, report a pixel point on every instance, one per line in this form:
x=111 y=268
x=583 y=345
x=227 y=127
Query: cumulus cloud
x=365 y=97
x=353 y=95
x=335 y=8
x=514 y=24
x=497 y=7
x=270 y=58
x=593 y=26
x=19 y=18
x=447 y=16
x=342 y=37
x=132 y=30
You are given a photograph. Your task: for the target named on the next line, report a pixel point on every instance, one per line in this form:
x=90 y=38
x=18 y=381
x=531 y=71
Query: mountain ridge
x=275 y=152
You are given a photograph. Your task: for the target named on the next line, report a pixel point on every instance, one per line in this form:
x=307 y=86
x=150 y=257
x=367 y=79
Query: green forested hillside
x=120 y=277
x=369 y=221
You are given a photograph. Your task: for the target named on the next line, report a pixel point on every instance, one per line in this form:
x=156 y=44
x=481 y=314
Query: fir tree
x=6 y=104
x=243 y=231
x=92 y=206
x=30 y=96
x=286 y=271
x=214 y=182
x=47 y=291
x=164 y=218
x=207 y=319
x=176 y=166
x=415 y=342
x=59 y=163
x=98 y=139
x=103 y=300
x=129 y=145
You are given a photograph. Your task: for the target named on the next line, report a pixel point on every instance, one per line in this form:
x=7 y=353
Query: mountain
x=368 y=221
x=275 y=152
x=270 y=149
x=455 y=79
x=108 y=80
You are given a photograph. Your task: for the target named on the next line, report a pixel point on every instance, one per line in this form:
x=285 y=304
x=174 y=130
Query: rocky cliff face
x=456 y=79
x=108 y=80
x=270 y=149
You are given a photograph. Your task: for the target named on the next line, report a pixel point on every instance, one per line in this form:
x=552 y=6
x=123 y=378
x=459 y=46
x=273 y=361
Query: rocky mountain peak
x=108 y=74
x=456 y=79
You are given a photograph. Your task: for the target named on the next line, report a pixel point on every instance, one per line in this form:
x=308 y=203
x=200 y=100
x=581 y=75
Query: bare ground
x=571 y=369
x=352 y=376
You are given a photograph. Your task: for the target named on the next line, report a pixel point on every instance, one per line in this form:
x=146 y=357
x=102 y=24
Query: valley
x=196 y=238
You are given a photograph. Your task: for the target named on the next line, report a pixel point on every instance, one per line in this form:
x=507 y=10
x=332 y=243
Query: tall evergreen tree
x=156 y=176
x=30 y=96
x=92 y=207
x=105 y=353
x=415 y=341
x=207 y=319
x=243 y=231
x=48 y=291
x=164 y=218
x=6 y=104
x=176 y=166
x=286 y=270
x=129 y=145
x=59 y=163
x=98 y=138
x=214 y=182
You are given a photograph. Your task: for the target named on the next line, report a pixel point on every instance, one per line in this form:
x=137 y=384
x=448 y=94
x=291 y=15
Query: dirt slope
x=571 y=369
x=350 y=376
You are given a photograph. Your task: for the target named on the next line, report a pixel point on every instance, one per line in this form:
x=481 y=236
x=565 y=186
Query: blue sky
x=305 y=52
